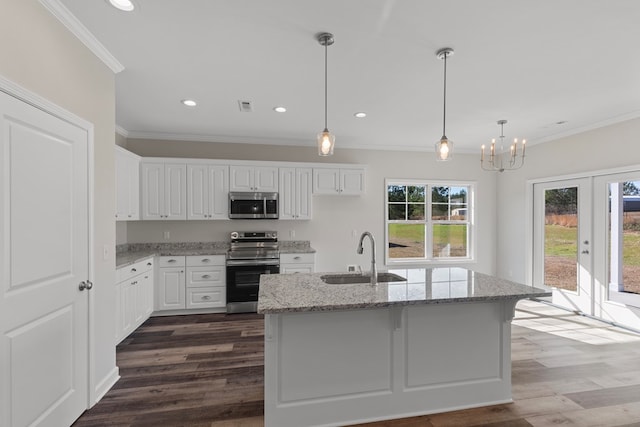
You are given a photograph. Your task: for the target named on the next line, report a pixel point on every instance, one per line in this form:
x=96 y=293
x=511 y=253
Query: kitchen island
x=339 y=354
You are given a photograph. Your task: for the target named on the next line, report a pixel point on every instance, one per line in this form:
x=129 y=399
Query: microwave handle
x=264 y=205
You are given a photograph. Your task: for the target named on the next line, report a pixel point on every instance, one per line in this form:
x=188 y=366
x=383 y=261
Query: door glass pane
x=449 y=240
x=561 y=238
x=406 y=241
x=624 y=242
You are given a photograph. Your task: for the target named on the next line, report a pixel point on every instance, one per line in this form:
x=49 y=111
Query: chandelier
x=501 y=159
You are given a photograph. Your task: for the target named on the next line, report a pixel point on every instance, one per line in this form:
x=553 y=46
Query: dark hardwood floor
x=207 y=370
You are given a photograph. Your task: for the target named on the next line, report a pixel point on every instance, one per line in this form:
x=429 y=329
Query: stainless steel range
x=252 y=254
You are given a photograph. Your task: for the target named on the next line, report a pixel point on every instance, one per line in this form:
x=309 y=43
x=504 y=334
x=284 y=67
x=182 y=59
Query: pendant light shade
x=326 y=140
x=444 y=147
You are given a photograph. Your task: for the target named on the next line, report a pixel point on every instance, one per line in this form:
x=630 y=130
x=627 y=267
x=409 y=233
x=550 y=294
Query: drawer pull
x=133 y=270
x=149 y=264
x=171 y=260
x=206 y=260
x=206 y=297
x=206 y=276
x=296 y=257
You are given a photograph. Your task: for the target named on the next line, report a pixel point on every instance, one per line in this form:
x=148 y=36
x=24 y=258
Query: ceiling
x=551 y=68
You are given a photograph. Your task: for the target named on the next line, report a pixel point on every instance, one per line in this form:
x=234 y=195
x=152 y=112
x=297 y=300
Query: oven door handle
x=252 y=262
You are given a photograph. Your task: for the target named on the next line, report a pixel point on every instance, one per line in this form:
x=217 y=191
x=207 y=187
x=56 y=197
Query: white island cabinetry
x=438 y=342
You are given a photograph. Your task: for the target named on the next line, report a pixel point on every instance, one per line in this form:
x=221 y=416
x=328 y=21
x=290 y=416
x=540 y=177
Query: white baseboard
x=105 y=385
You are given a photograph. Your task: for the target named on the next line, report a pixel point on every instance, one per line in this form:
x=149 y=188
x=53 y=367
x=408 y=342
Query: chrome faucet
x=374 y=270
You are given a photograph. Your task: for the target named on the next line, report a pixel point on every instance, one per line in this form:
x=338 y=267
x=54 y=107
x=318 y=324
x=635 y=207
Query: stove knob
x=234 y=235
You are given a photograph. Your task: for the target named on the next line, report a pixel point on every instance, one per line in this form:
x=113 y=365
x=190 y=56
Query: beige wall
x=335 y=218
x=38 y=53
x=605 y=148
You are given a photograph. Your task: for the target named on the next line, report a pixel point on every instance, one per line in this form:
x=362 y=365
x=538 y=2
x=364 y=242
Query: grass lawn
x=402 y=236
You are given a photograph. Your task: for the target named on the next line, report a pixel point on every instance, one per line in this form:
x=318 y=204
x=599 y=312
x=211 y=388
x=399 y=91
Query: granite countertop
x=281 y=293
x=131 y=253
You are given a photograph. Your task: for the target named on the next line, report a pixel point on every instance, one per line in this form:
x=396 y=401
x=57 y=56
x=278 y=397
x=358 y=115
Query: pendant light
x=444 y=147
x=326 y=140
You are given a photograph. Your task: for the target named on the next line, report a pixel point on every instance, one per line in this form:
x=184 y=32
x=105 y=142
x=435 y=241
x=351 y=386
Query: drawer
x=171 y=261
x=126 y=273
x=203 y=260
x=214 y=296
x=296 y=268
x=198 y=277
x=297 y=258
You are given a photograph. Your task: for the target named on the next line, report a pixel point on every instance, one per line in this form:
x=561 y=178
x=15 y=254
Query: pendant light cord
x=325 y=86
x=444 y=107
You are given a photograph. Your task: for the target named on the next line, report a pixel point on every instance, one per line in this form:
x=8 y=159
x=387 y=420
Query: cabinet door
x=266 y=178
x=153 y=193
x=287 y=199
x=241 y=178
x=122 y=186
x=218 y=192
x=175 y=190
x=198 y=192
x=133 y=164
x=171 y=289
x=326 y=181
x=352 y=181
x=304 y=179
x=119 y=321
x=128 y=303
x=147 y=290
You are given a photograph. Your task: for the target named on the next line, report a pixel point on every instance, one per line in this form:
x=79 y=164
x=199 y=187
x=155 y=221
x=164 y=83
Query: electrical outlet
x=292 y=233
x=166 y=235
x=354 y=233
x=352 y=268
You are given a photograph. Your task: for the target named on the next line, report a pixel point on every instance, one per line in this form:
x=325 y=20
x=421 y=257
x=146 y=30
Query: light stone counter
x=131 y=253
x=307 y=292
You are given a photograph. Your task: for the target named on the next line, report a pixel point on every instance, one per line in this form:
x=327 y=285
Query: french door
x=562 y=247
x=617 y=226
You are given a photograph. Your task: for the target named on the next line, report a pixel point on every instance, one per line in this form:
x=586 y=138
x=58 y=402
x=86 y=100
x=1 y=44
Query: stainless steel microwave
x=253 y=205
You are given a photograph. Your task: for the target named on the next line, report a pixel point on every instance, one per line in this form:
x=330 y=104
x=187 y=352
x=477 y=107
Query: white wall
x=38 y=53
x=605 y=148
x=334 y=217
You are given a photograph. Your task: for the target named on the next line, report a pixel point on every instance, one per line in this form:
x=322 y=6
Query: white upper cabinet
x=341 y=181
x=253 y=178
x=127 y=185
x=295 y=193
x=207 y=192
x=164 y=191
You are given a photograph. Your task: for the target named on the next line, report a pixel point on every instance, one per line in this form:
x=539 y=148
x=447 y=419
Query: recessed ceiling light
x=279 y=109
x=189 y=102
x=126 y=5
x=360 y=114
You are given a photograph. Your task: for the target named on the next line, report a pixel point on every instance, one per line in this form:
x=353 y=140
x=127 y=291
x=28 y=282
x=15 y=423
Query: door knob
x=586 y=251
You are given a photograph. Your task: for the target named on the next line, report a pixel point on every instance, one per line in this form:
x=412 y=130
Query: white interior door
x=43 y=259
x=563 y=256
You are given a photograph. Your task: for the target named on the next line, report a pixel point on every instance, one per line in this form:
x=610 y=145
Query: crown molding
x=122 y=131
x=68 y=19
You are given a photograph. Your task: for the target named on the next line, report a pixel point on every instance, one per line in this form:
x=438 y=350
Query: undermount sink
x=343 y=279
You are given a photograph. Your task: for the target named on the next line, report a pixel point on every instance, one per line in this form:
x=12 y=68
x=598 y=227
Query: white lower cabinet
x=170 y=293
x=297 y=263
x=134 y=297
x=206 y=281
x=191 y=282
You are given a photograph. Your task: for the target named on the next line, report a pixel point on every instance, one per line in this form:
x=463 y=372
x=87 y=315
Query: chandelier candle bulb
x=482 y=154
x=503 y=159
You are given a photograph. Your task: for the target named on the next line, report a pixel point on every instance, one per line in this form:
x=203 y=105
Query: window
x=428 y=221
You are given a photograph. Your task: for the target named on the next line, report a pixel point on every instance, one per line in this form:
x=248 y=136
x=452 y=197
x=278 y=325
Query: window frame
x=428 y=222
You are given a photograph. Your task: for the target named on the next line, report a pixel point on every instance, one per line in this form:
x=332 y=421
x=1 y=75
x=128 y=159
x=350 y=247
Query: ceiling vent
x=245 y=106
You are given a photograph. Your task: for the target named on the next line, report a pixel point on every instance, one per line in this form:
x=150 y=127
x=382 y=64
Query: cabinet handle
x=129 y=216
x=149 y=263
x=133 y=270
x=206 y=260
x=296 y=257
x=171 y=260
x=206 y=297
x=146 y=277
x=206 y=276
